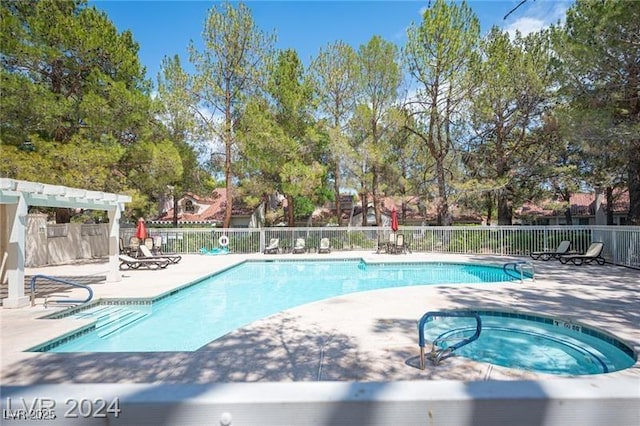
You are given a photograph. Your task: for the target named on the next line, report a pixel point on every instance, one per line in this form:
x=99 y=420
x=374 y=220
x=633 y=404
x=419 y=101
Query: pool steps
x=111 y=319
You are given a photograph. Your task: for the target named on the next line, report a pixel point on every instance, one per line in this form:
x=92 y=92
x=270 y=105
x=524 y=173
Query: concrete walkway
x=368 y=336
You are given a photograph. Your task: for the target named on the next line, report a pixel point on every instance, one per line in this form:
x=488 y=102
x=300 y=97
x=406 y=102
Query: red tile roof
x=217 y=203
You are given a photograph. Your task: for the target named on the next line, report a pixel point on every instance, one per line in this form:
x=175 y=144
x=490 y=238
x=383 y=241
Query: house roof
x=581 y=204
x=214 y=211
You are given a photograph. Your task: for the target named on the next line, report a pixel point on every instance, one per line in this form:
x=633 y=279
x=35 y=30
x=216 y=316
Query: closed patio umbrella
x=394 y=220
x=141 y=232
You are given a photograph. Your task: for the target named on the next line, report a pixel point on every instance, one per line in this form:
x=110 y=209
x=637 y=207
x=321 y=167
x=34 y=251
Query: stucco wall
x=48 y=244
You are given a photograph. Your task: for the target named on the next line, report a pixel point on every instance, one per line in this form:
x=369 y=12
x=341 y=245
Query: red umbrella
x=141 y=232
x=394 y=220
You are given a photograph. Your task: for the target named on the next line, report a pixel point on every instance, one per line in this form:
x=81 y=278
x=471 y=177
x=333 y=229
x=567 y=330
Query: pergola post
x=17 y=222
x=114 y=246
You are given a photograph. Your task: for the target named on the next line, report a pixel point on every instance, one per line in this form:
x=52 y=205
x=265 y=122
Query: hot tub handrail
x=519 y=266
x=437 y=356
x=32 y=284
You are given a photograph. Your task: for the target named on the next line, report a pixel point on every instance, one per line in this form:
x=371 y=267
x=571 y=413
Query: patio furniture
x=273 y=247
x=593 y=254
x=325 y=246
x=299 y=246
x=562 y=249
x=128 y=262
x=146 y=254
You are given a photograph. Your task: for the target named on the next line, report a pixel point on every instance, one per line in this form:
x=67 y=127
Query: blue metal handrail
x=439 y=355
x=59 y=280
x=519 y=266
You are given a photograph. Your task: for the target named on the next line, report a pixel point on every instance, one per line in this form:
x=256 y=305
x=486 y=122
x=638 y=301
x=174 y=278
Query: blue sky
x=164 y=28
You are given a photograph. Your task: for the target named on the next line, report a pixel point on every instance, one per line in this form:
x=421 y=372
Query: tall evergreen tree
x=515 y=78
x=334 y=74
x=599 y=52
x=377 y=94
x=230 y=67
x=438 y=54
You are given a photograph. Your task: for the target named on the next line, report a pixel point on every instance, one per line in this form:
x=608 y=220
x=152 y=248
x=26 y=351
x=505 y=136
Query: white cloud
x=538 y=15
x=525 y=26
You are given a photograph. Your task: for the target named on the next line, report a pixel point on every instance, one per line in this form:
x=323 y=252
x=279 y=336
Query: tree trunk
x=175 y=211
x=489 y=204
x=376 y=196
x=505 y=210
x=364 y=201
x=227 y=158
x=63 y=215
x=567 y=215
x=443 y=217
x=336 y=189
x=609 y=194
x=291 y=219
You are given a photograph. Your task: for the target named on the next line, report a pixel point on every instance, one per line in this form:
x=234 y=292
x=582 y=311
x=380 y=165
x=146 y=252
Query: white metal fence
x=621 y=243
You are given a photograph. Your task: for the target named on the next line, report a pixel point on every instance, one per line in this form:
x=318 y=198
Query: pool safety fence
x=621 y=243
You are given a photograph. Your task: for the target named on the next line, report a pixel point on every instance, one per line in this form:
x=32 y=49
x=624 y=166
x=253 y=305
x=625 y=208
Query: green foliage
x=597 y=51
x=514 y=81
x=439 y=54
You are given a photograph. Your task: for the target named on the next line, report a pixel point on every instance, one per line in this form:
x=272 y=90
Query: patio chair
x=593 y=254
x=124 y=249
x=147 y=254
x=398 y=246
x=299 y=246
x=128 y=262
x=562 y=249
x=386 y=246
x=148 y=242
x=134 y=245
x=273 y=247
x=157 y=245
x=325 y=246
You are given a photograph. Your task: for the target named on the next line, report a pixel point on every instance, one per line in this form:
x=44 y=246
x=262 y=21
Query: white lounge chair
x=128 y=262
x=300 y=246
x=146 y=254
x=273 y=247
x=325 y=246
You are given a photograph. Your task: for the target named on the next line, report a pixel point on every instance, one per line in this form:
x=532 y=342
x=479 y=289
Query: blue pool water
x=532 y=343
x=199 y=314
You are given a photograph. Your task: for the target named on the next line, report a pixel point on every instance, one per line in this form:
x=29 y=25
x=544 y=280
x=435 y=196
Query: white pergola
x=15 y=198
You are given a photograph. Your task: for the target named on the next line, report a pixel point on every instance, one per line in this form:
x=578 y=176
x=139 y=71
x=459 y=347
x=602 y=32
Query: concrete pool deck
x=364 y=337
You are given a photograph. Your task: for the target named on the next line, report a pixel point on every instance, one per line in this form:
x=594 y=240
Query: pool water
x=199 y=314
x=537 y=344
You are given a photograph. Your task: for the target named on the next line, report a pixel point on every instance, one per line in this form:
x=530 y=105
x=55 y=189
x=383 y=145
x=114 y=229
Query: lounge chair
x=299 y=246
x=325 y=246
x=398 y=246
x=273 y=247
x=563 y=249
x=146 y=254
x=592 y=254
x=128 y=262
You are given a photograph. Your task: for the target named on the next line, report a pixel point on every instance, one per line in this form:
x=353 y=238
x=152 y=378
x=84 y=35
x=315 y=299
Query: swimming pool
x=188 y=319
x=531 y=342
